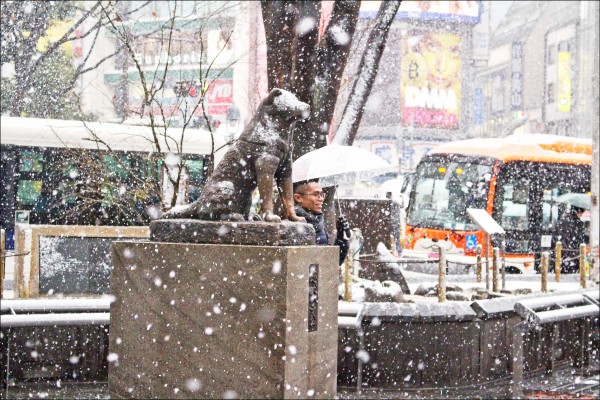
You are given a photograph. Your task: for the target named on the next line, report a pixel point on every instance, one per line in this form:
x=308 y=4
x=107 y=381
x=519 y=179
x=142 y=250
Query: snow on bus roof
x=524 y=147
x=76 y=134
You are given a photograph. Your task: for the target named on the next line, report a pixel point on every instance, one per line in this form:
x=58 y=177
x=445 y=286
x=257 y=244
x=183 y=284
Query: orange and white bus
x=517 y=179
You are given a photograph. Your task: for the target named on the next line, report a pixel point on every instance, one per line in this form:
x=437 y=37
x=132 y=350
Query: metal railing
x=350 y=317
x=550 y=310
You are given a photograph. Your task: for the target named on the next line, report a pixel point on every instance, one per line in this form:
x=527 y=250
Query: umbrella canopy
x=579 y=200
x=335 y=164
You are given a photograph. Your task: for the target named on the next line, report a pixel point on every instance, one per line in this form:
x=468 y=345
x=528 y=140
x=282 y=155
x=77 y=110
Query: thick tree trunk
x=332 y=58
x=367 y=71
x=279 y=18
x=311 y=70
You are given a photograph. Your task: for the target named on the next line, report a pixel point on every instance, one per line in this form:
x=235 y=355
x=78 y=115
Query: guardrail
x=551 y=310
x=55 y=312
x=26 y=321
x=350 y=317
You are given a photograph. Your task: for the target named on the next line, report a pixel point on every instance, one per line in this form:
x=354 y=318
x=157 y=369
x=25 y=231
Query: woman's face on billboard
x=442 y=55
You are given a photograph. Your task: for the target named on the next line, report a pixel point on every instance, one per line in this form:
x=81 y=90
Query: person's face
x=310 y=197
x=442 y=54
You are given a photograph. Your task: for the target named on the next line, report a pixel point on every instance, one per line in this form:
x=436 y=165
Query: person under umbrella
x=309 y=196
x=571 y=231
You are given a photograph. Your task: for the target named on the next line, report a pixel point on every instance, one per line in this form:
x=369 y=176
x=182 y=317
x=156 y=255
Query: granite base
x=223 y=321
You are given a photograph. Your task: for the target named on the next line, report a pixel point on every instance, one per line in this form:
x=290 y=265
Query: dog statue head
x=285 y=106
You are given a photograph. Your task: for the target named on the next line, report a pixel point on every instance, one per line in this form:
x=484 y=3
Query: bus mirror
x=405 y=182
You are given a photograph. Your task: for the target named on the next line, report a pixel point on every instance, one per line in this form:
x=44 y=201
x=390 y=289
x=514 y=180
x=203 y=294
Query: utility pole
x=588 y=106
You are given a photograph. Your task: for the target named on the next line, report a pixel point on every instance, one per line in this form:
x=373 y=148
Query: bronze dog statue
x=261 y=154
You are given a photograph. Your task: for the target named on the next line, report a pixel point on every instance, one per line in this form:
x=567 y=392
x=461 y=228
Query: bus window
x=28 y=192
x=31 y=161
x=196 y=174
x=515 y=207
x=444 y=188
x=116 y=168
x=550 y=209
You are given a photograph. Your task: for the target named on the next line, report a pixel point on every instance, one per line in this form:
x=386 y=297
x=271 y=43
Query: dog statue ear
x=272 y=94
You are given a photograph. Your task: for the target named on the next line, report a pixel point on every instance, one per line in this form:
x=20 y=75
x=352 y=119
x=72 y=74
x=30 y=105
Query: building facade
x=181 y=50
x=533 y=80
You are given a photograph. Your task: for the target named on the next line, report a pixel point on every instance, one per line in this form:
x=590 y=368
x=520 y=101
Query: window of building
x=550 y=93
x=552 y=54
x=563 y=46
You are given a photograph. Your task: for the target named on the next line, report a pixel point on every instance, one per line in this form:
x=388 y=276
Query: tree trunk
x=367 y=71
x=332 y=58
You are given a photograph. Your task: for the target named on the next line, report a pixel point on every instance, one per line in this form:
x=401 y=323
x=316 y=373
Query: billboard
x=459 y=11
x=430 y=80
x=563 y=94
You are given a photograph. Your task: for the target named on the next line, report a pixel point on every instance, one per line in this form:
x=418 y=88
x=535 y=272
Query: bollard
x=557 y=260
x=347 y=292
x=582 y=265
x=393 y=246
x=442 y=275
x=503 y=245
x=478 y=263
x=496 y=261
x=2 y=255
x=544 y=271
x=487 y=262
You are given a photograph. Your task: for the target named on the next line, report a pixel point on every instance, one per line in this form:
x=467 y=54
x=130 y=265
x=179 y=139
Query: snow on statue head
x=261 y=154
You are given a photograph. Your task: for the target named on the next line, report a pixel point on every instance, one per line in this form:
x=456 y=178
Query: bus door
x=514 y=202
x=525 y=203
x=557 y=180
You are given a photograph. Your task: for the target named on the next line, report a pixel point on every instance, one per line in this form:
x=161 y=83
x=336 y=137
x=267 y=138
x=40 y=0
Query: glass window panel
x=116 y=168
x=195 y=169
x=28 y=191
x=31 y=161
x=443 y=192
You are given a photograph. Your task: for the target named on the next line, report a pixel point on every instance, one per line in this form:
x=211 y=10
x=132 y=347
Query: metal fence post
x=503 y=245
x=487 y=262
x=582 y=265
x=442 y=275
x=347 y=279
x=557 y=260
x=478 y=263
x=495 y=264
x=544 y=271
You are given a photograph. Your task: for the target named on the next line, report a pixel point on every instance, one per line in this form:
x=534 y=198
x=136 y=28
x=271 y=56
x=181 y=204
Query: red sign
x=220 y=92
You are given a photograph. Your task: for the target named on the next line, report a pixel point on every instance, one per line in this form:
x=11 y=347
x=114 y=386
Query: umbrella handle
x=348 y=232
x=337 y=197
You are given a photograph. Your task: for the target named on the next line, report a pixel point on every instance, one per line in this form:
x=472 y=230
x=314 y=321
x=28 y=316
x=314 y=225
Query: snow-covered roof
x=530 y=147
x=76 y=134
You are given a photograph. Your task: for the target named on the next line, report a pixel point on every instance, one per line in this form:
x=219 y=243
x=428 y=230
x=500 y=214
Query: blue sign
x=516 y=78
x=471 y=242
x=478 y=106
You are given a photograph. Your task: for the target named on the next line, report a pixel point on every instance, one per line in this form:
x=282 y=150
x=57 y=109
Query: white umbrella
x=335 y=164
x=579 y=200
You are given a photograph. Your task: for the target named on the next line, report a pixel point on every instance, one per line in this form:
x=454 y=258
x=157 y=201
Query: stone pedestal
x=223 y=321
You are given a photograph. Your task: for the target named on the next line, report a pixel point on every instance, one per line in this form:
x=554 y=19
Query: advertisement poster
x=430 y=80
x=564 y=82
x=456 y=11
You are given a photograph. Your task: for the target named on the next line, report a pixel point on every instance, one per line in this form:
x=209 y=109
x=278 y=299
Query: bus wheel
x=513 y=270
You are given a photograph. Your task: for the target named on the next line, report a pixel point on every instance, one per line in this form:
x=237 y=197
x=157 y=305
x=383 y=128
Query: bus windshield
x=445 y=186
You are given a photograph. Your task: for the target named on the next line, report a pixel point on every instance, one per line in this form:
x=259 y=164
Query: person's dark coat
x=322 y=237
x=571 y=232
